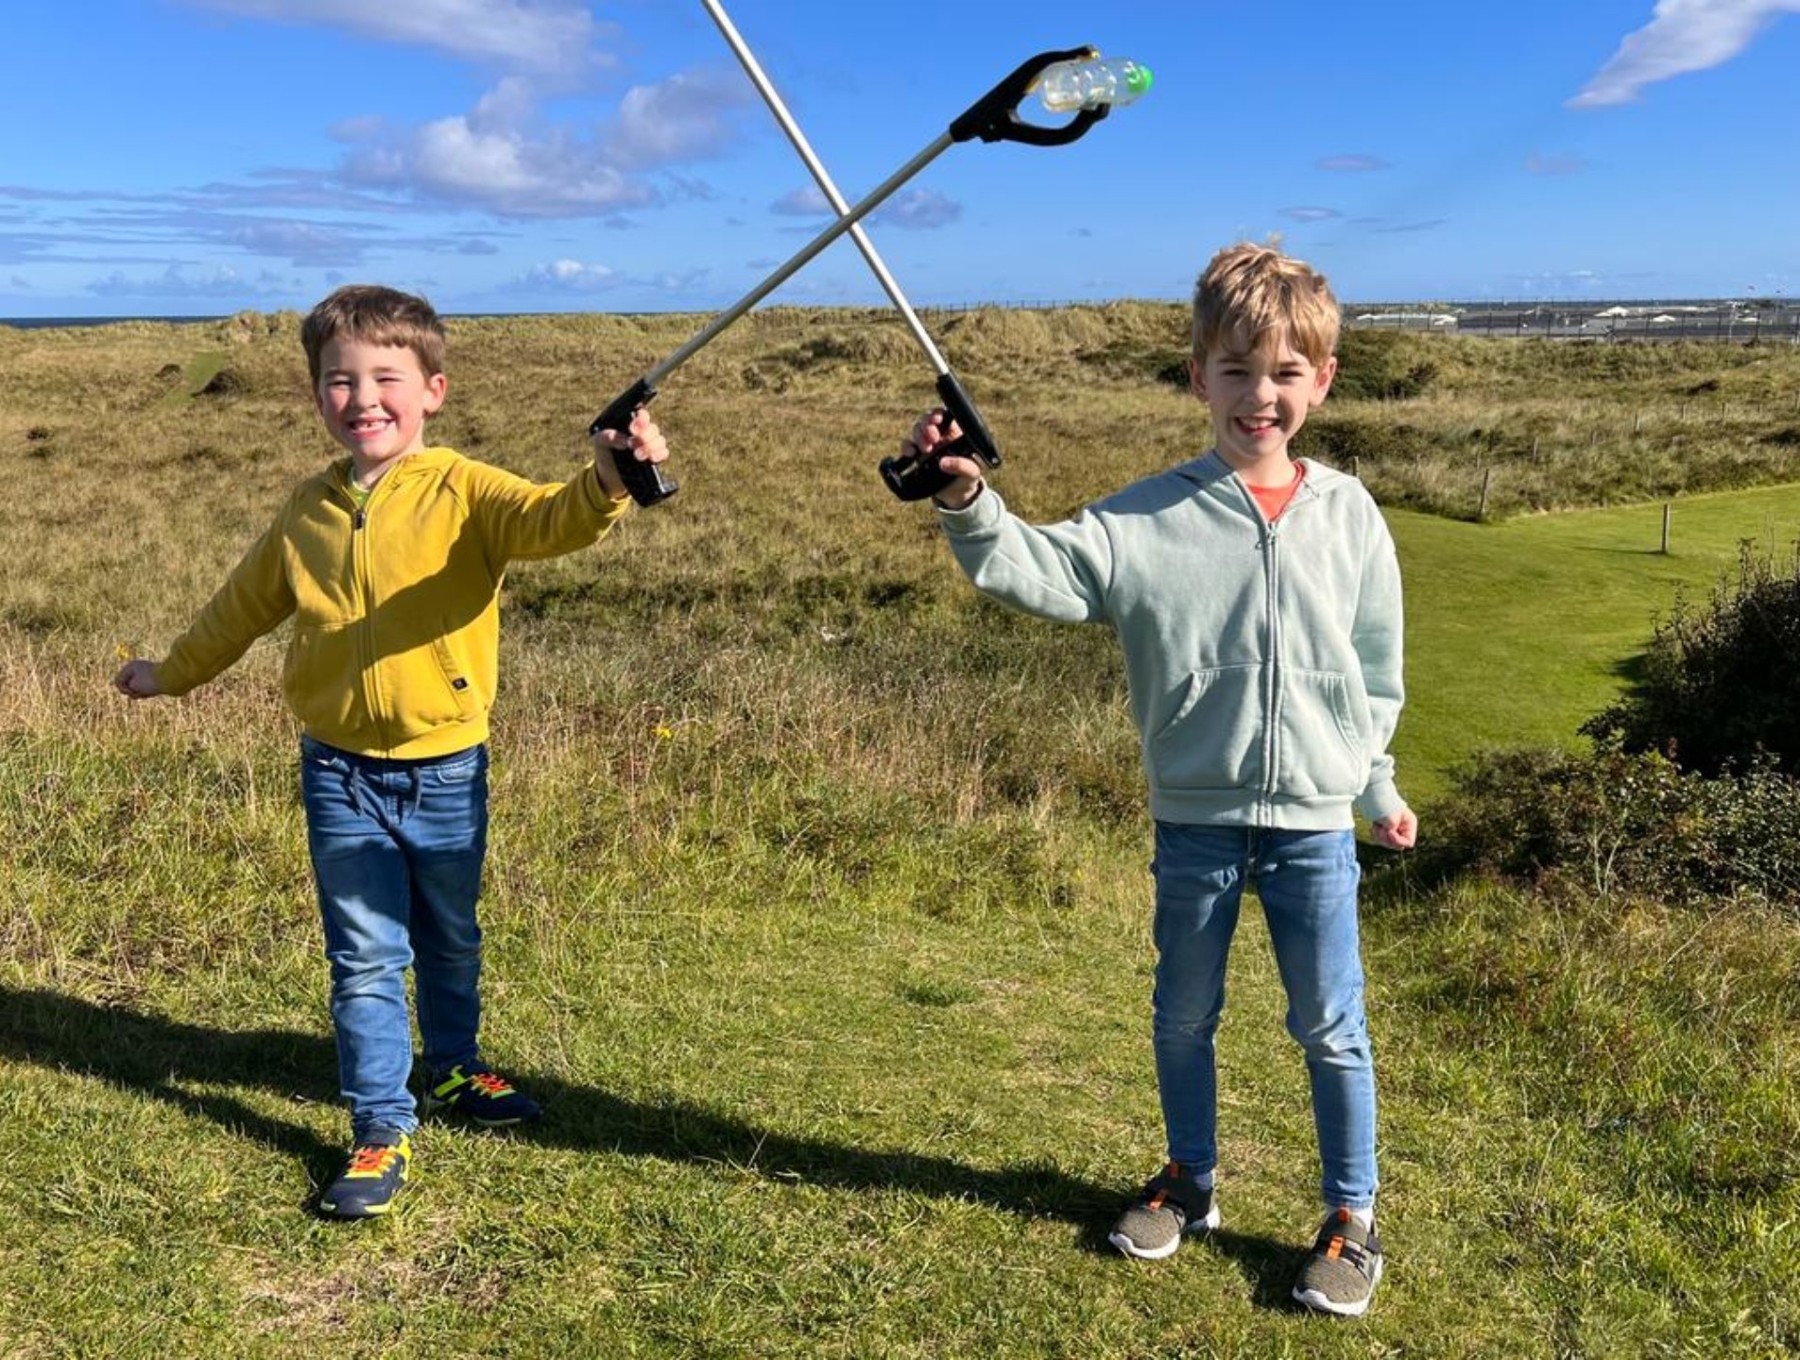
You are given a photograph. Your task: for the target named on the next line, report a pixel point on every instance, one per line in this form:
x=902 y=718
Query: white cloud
x=680 y=119
x=574 y=277
x=919 y=210
x=303 y=243
x=914 y=210
x=1682 y=36
x=501 y=170
x=1310 y=214
x=1352 y=163
x=546 y=37
x=176 y=282
x=569 y=276
x=679 y=282
x=809 y=201
x=499 y=158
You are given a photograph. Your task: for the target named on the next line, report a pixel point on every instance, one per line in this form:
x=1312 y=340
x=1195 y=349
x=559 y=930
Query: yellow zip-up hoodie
x=395 y=649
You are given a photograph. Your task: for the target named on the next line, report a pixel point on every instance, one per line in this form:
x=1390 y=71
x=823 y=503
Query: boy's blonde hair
x=1253 y=297
x=376 y=316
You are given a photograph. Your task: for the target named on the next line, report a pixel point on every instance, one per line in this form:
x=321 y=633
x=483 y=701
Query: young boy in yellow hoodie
x=390 y=562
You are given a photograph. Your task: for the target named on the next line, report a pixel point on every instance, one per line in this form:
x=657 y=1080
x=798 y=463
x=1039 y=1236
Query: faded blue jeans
x=397 y=849
x=1307 y=883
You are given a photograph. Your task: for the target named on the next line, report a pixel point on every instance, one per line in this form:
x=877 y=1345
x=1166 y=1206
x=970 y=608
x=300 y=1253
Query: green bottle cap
x=1139 y=79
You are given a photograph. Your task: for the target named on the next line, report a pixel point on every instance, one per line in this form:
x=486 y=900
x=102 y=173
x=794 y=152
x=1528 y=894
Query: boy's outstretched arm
x=643 y=438
x=1057 y=571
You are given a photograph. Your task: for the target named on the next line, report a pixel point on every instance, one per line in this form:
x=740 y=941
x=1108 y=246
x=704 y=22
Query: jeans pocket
x=463 y=768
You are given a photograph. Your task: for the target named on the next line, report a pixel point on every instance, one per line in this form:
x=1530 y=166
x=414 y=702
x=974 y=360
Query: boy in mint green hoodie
x=1257 y=599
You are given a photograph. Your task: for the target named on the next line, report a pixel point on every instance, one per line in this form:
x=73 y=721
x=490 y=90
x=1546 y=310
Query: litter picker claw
x=992 y=118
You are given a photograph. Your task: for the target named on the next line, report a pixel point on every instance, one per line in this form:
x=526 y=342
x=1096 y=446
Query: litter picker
x=992 y=118
x=908 y=478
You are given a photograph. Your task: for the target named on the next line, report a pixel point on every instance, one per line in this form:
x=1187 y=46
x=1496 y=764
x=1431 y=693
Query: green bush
x=1618 y=823
x=1337 y=438
x=1719 y=686
x=1382 y=366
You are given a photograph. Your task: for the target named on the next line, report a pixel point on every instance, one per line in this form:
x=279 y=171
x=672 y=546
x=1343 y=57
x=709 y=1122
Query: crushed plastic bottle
x=1070 y=86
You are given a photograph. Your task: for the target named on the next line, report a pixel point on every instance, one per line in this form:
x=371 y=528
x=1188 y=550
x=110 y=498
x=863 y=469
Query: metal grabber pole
x=992 y=118
x=908 y=478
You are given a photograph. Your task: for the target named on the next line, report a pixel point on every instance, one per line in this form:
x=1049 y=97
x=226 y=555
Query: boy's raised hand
x=1399 y=832
x=137 y=679
x=937 y=427
x=644 y=439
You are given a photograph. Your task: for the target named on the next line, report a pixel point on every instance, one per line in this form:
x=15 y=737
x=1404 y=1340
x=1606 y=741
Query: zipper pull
x=357 y=520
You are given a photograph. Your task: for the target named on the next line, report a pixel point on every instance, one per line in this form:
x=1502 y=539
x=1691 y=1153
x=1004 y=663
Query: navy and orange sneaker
x=481 y=1094
x=369 y=1183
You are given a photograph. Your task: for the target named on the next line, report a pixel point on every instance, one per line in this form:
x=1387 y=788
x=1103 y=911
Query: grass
x=1517 y=631
x=817 y=907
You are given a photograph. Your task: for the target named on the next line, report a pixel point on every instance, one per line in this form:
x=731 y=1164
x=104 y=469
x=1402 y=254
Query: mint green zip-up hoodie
x=1263 y=660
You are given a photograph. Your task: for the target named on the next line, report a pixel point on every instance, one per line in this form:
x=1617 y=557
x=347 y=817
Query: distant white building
x=1406 y=319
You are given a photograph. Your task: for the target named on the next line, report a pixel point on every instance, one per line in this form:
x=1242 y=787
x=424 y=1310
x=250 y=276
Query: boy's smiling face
x=374 y=400
x=1259 y=399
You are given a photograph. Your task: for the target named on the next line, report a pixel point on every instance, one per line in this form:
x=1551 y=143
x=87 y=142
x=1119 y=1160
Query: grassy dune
x=817 y=908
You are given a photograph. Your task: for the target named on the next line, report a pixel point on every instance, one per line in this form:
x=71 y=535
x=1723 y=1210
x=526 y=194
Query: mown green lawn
x=1518 y=631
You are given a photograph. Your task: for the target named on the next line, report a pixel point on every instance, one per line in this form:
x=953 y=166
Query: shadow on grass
x=156 y=1057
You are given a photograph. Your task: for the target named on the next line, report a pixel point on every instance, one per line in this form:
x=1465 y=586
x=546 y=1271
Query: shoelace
x=492 y=1083
x=372 y=1160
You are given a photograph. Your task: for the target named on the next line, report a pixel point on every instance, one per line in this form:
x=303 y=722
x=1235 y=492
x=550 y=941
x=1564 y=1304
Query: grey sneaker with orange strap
x=1345 y=1266
x=1171 y=1207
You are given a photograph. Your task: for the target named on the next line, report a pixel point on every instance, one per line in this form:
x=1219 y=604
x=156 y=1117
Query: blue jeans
x=1307 y=882
x=397 y=848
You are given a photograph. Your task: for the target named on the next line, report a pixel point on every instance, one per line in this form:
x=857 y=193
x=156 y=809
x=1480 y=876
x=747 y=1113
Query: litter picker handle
x=995 y=116
x=913 y=478
x=645 y=481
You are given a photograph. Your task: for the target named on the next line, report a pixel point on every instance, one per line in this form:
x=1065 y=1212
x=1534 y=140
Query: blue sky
x=198 y=157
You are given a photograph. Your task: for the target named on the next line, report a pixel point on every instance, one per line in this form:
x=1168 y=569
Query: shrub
x=1382 y=366
x=1719 y=684
x=1618 y=823
x=1337 y=438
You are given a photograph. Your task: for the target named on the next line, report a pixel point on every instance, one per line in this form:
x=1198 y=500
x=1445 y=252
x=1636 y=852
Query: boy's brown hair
x=376 y=316
x=1253 y=296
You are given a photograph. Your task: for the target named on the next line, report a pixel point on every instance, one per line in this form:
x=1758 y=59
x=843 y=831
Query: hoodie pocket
x=1321 y=752
x=458 y=685
x=321 y=677
x=1213 y=741
x=428 y=688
